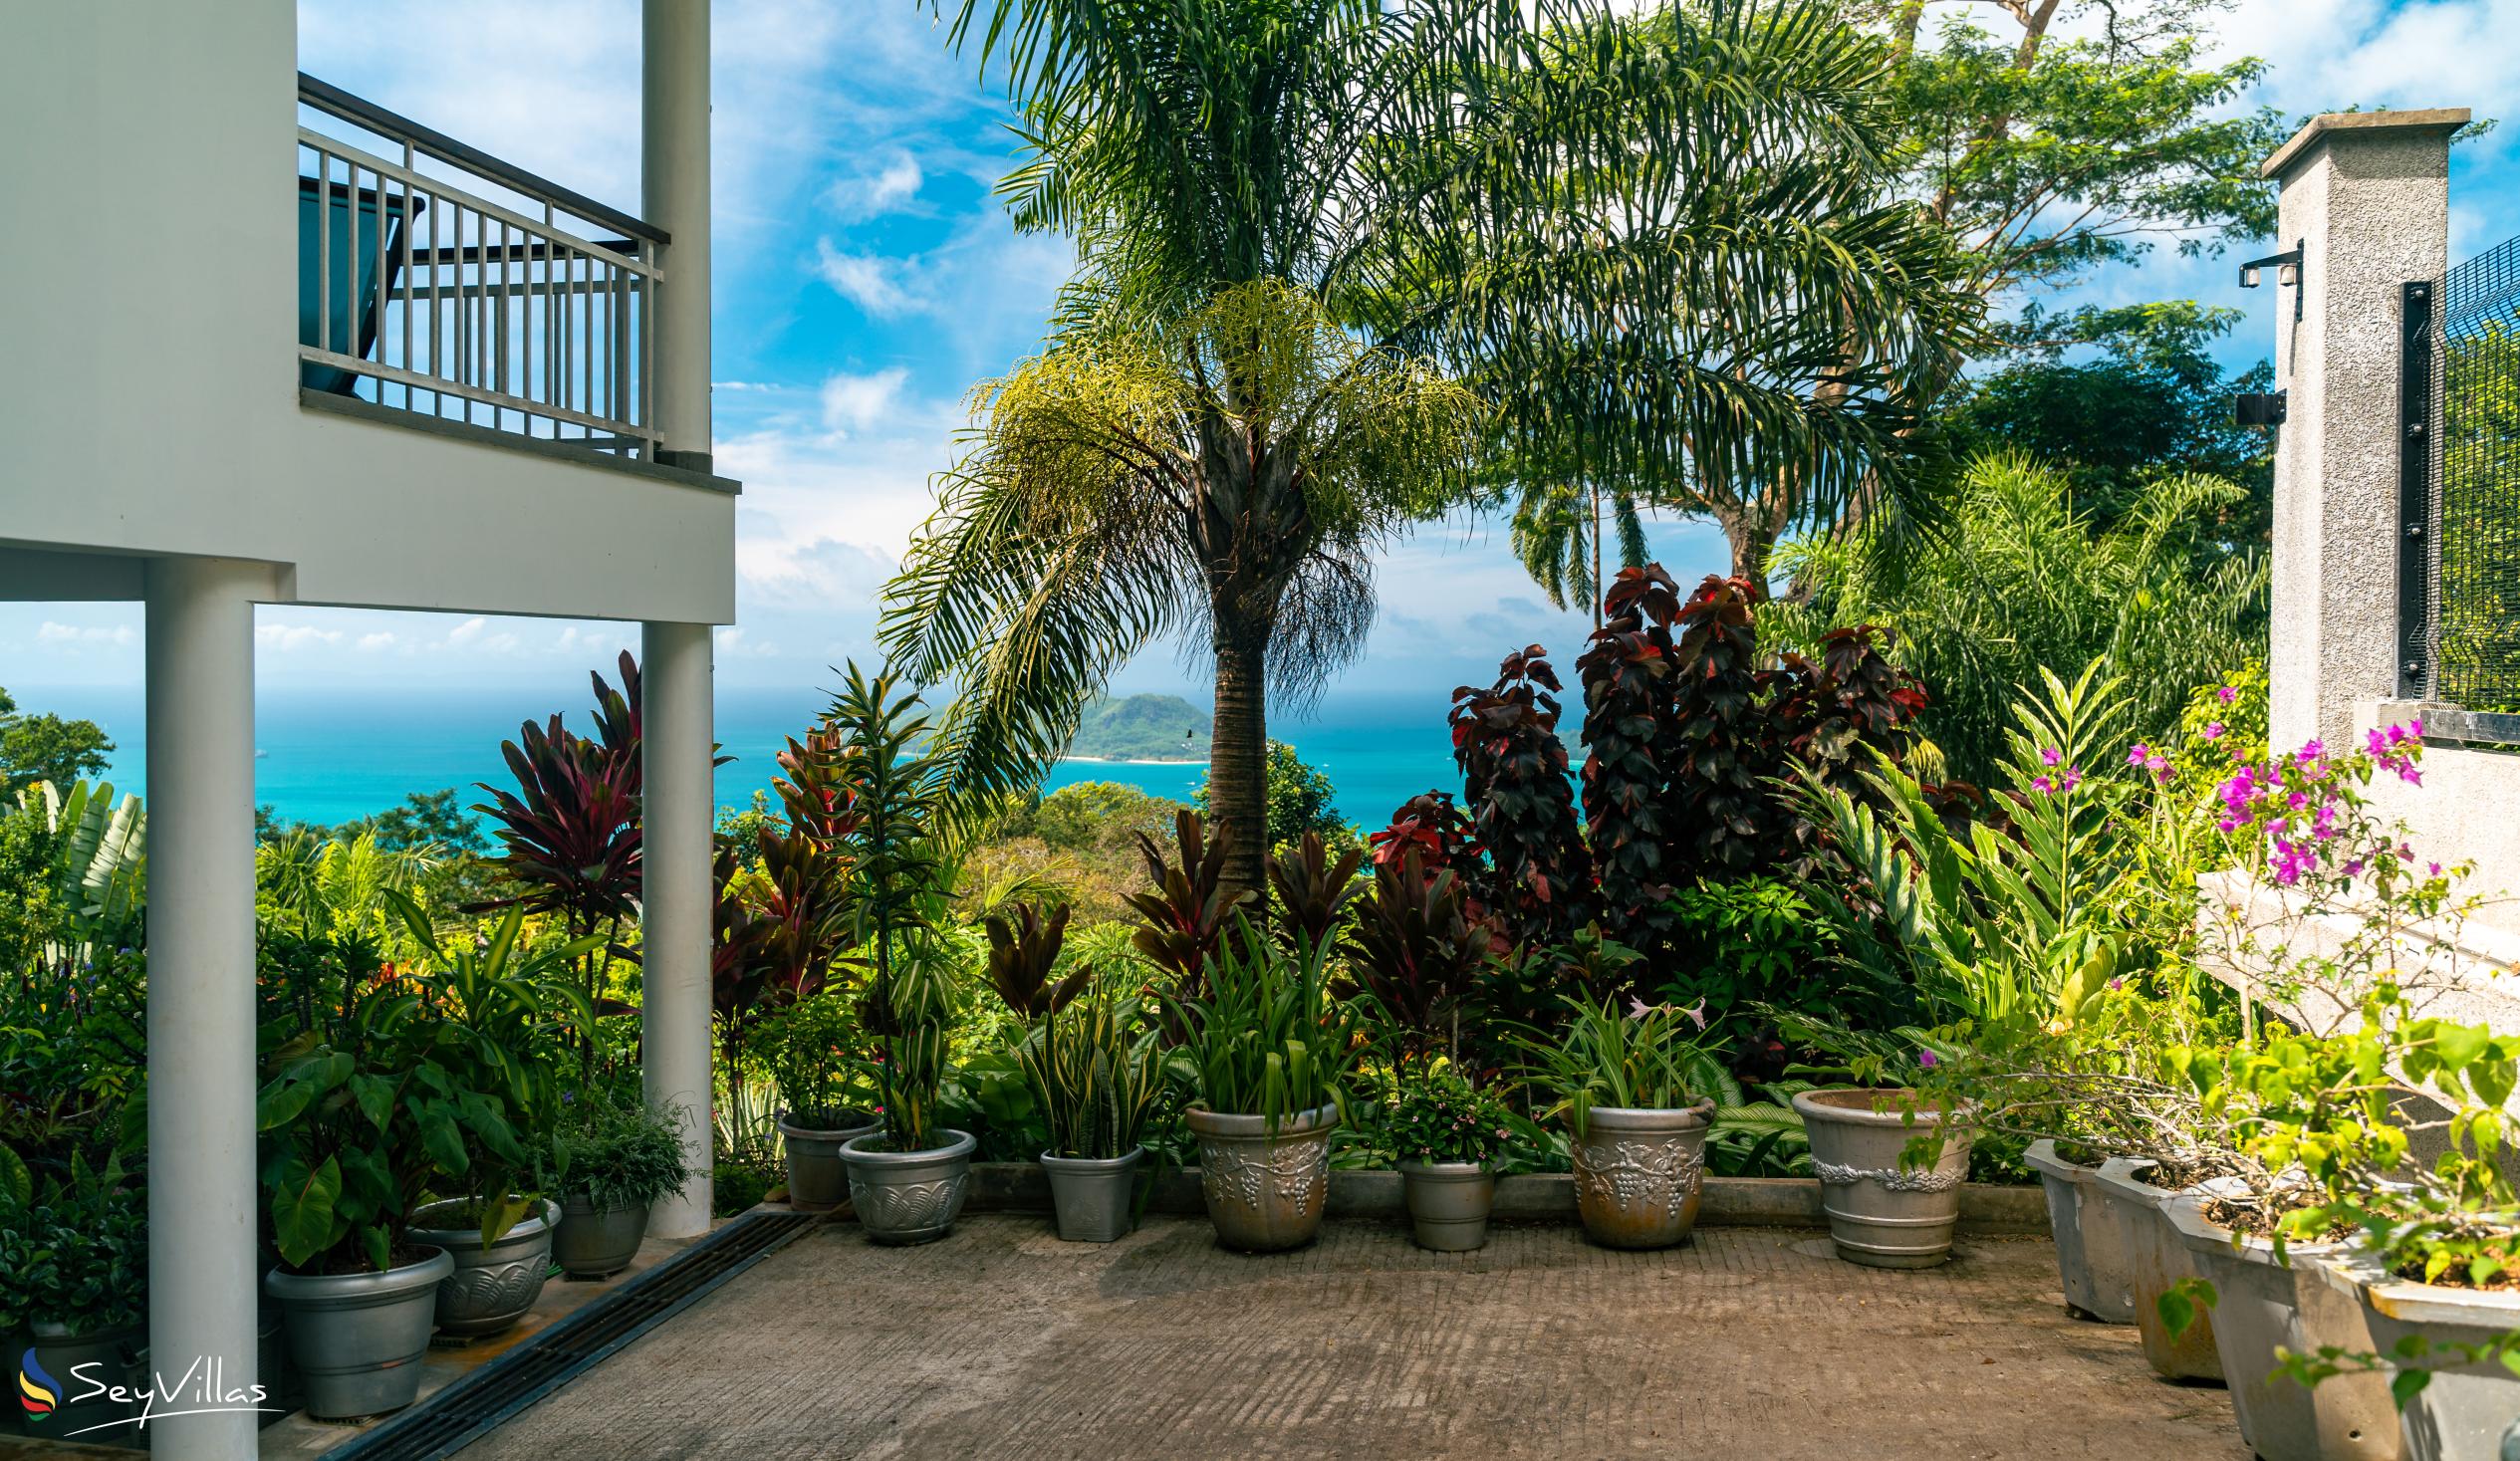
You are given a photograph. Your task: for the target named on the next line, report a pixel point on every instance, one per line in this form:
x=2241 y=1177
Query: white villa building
x=262 y=341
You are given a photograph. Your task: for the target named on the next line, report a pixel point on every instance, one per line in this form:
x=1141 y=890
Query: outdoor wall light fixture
x=2286 y=275
x=2259 y=409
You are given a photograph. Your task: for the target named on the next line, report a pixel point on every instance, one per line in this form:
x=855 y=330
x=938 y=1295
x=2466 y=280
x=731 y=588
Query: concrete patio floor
x=1748 y=1345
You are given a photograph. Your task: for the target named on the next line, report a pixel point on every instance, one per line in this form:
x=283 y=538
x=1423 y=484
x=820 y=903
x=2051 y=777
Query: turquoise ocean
x=330 y=756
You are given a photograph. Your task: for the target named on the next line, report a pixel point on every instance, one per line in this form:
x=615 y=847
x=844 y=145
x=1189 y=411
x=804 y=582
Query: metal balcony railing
x=436 y=279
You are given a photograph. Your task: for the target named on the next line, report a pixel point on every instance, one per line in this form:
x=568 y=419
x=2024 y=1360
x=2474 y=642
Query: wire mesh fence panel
x=2475 y=600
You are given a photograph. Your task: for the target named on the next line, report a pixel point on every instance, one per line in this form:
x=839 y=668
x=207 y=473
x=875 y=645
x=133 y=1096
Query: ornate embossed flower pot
x=1639 y=1173
x=2262 y=1305
x=491 y=1287
x=1882 y=1213
x=358 y=1339
x=1264 y=1189
x=598 y=1242
x=2156 y=1261
x=1093 y=1196
x=817 y=1177
x=909 y=1196
x=1448 y=1202
x=2092 y=1235
x=2465 y=1408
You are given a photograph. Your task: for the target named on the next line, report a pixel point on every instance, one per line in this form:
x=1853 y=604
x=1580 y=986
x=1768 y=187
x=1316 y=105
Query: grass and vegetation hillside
x=1141 y=728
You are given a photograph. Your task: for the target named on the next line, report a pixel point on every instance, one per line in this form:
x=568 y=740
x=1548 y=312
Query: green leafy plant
x=1648 y=1059
x=404 y=1083
x=76 y=1249
x=1096 y=1077
x=1439 y=1116
x=1752 y=939
x=1265 y=1038
x=617 y=1153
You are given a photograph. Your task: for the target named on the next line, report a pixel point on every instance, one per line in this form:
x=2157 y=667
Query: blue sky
x=866 y=278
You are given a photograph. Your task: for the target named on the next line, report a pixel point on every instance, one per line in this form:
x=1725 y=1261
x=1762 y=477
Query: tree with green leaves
x=47 y=747
x=2117 y=399
x=1338 y=255
x=1301 y=799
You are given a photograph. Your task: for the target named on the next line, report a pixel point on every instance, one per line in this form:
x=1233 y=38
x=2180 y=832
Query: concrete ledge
x=1730 y=1202
x=2319 y=128
x=359 y=408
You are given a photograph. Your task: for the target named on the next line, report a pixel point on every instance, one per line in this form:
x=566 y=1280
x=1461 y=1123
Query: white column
x=201 y=1179
x=2366 y=197
x=681 y=809
x=674 y=192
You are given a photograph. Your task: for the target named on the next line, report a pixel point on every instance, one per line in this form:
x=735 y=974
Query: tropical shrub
x=1758 y=939
x=1418 y=954
x=617 y=1153
x=1264 y=1036
x=1188 y=914
x=2019 y=579
x=1439 y=1116
x=1096 y=1078
x=75 y=1248
x=1539 y=874
x=1645 y=1058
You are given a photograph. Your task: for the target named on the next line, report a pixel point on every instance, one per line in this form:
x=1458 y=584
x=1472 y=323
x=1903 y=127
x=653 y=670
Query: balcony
x=438 y=283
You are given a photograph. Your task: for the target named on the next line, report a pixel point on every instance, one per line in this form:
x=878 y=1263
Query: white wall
x=149 y=376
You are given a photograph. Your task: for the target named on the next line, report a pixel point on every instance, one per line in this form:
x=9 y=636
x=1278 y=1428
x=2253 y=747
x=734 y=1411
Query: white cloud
x=885 y=288
x=53 y=633
x=733 y=643
x=859 y=402
x=379 y=643
x=867 y=194
x=291 y=639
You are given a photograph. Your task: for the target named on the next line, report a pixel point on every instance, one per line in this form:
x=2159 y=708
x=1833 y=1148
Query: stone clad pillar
x=2365 y=196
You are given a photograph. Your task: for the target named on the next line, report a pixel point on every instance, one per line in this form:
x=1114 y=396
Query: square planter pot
x=2157 y=1261
x=2263 y=1305
x=1095 y=1197
x=2466 y=1410
x=2093 y=1238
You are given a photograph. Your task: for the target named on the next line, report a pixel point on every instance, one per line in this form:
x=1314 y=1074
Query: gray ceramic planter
x=1093 y=1196
x=490 y=1289
x=1640 y=1173
x=909 y=1196
x=2466 y=1409
x=358 y=1339
x=2092 y=1238
x=818 y=1179
x=1881 y=1213
x=2262 y=1306
x=1448 y=1203
x=2157 y=1260
x=1265 y=1188
x=598 y=1242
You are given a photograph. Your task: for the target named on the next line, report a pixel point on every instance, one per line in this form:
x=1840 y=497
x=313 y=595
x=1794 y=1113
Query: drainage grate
x=466 y=1409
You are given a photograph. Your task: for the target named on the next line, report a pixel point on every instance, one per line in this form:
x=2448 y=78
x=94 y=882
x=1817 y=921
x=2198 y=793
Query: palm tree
x=1313 y=232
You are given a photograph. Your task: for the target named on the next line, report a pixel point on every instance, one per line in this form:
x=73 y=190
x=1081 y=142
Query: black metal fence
x=2461 y=506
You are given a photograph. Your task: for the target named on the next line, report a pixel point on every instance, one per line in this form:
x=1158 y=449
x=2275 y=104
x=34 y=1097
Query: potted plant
x=1095 y=1081
x=2432 y=1266
x=809 y=1049
x=906 y=1181
x=612 y=1158
x=1891 y=1168
x=374 y=1095
x=496 y=1035
x=75 y=1305
x=1626 y=1085
x=1270 y=1048
x=1446 y=1134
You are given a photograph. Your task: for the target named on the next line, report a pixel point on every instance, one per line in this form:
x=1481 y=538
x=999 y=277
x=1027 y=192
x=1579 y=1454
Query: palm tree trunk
x=1238 y=755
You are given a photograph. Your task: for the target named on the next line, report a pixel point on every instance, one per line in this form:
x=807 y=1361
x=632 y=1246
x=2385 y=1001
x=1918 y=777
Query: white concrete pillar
x=675 y=191
x=201 y=1177
x=2366 y=195
x=682 y=811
